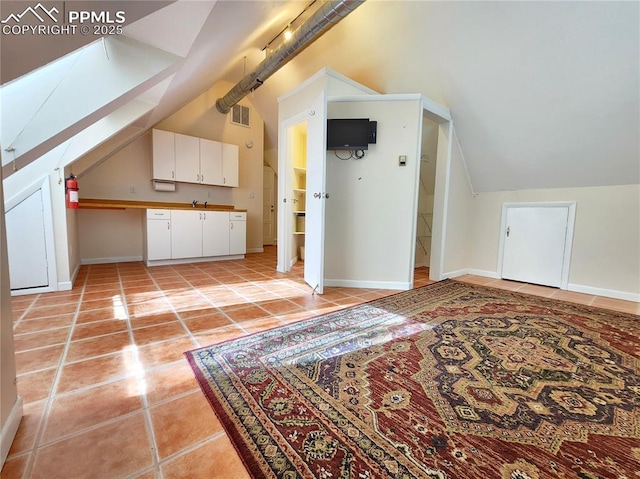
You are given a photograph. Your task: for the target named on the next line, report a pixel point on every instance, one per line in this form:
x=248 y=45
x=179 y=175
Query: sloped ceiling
x=543 y=94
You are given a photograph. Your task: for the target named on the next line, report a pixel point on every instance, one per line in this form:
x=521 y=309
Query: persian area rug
x=451 y=380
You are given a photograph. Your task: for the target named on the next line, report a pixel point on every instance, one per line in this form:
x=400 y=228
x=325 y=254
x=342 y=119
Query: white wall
x=371 y=212
x=605 y=257
x=131 y=168
x=458 y=215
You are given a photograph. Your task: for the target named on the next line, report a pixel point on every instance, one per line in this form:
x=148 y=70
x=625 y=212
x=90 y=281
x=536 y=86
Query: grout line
x=52 y=392
x=142 y=384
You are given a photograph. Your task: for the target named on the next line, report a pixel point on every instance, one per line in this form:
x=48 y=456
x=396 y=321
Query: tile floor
x=107 y=392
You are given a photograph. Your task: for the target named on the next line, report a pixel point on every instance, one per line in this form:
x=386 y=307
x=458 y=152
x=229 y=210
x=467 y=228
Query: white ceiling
x=543 y=94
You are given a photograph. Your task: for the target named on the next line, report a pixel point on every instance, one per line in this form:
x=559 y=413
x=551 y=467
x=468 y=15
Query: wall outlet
x=252 y=195
x=402 y=160
x=132 y=190
x=209 y=194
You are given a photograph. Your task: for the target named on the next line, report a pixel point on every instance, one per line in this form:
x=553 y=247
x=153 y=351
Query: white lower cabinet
x=194 y=235
x=186 y=234
x=238 y=233
x=158 y=234
x=215 y=241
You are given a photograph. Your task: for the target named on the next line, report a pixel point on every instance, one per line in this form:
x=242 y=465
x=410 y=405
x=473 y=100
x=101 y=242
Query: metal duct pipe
x=327 y=15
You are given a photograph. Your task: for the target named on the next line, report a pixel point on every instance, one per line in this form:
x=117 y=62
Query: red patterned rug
x=446 y=381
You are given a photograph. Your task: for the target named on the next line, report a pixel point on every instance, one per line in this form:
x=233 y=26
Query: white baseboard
x=455 y=274
x=293 y=261
x=255 y=250
x=349 y=283
x=206 y=259
x=485 y=273
x=609 y=293
x=114 y=259
x=10 y=429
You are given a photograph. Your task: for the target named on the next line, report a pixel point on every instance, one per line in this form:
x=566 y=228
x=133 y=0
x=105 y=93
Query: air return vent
x=240 y=115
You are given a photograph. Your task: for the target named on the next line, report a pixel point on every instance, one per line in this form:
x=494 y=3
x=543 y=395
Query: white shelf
x=299 y=212
x=297 y=190
x=300 y=171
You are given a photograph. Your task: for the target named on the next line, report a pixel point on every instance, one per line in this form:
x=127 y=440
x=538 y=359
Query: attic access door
x=26 y=244
x=536 y=243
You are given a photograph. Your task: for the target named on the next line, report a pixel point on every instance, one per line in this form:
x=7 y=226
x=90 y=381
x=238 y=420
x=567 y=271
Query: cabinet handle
x=231 y=225
x=204 y=216
x=202 y=178
x=173 y=175
x=224 y=179
x=168 y=225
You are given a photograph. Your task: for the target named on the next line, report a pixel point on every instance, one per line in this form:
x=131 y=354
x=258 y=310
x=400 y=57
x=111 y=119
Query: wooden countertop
x=90 y=203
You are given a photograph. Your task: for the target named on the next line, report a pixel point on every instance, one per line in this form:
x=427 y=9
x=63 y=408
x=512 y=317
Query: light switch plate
x=402 y=160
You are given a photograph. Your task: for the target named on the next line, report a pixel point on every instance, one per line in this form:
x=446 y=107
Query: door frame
x=284 y=186
x=568 y=244
x=52 y=271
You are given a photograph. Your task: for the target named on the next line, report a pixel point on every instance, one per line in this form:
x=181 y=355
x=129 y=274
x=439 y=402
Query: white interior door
x=26 y=244
x=268 y=206
x=534 y=244
x=316 y=194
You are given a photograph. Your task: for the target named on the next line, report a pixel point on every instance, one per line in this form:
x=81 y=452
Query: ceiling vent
x=240 y=115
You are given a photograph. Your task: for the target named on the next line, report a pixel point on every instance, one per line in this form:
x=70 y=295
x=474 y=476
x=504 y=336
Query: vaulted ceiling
x=543 y=94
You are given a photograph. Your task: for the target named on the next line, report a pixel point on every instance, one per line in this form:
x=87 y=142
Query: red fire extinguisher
x=71 y=188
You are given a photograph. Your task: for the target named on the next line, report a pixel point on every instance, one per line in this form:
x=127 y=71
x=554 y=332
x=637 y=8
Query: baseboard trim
x=113 y=259
x=455 y=274
x=206 y=259
x=484 y=273
x=349 y=283
x=609 y=293
x=10 y=429
x=293 y=261
x=255 y=250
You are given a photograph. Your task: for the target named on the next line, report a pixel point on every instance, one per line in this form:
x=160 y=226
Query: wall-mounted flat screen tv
x=350 y=133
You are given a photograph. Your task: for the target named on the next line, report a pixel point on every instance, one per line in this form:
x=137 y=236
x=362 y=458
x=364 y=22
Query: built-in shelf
x=300 y=171
x=297 y=190
x=299 y=213
x=298 y=232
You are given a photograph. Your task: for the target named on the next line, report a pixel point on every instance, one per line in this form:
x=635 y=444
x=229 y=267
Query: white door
x=186 y=234
x=268 y=206
x=210 y=162
x=187 y=158
x=164 y=155
x=230 y=164
x=316 y=194
x=26 y=244
x=215 y=233
x=534 y=244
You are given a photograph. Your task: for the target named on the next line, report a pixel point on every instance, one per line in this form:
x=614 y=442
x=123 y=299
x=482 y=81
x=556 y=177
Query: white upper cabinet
x=211 y=162
x=230 y=164
x=163 y=152
x=187 y=158
x=190 y=159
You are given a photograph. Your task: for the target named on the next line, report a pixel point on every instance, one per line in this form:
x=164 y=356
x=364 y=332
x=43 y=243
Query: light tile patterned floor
x=107 y=391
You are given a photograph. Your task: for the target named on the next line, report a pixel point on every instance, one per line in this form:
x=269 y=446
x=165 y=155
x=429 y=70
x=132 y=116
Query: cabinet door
x=215 y=233
x=163 y=153
x=237 y=237
x=187 y=158
x=230 y=164
x=158 y=239
x=210 y=162
x=186 y=234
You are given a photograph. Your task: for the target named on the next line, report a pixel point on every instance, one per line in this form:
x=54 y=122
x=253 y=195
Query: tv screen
x=350 y=133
